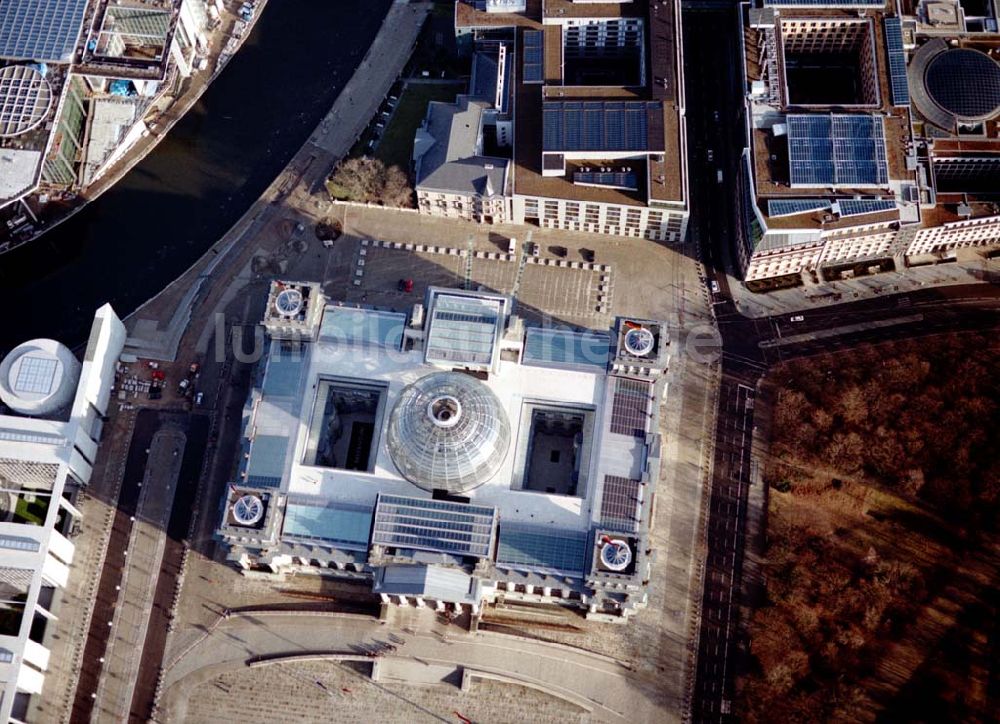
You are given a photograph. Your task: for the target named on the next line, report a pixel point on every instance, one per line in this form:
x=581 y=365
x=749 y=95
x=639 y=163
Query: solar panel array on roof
x=463 y=329
x=620 y=503
x=599 y=126
x=789 y=207
x=856 y=207
x=541 y=549
x=615 y=179
x=434 y=525
x=826 y=3
x=898 y=83
x=43 y=30
x=629 y=406
x=836 y=150
x=533 y=54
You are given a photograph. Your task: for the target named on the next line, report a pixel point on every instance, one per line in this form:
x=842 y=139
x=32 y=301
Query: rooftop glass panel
x=19 y=543
x=566 y=349
x=284 y=373
x=898 y=82
x=630 y=407
x=533 y=56
x=543 y=550
x=267 y=460
x=463 y=329
x=856 y=207
x=36 y=375
x=341 y=524
x=434 y=525
x=790 y=207
x=345 y=325
x=825 y=3
x=620 y=503
x=599 y=126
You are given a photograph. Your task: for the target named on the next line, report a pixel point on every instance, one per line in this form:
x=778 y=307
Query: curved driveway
x=602 y=684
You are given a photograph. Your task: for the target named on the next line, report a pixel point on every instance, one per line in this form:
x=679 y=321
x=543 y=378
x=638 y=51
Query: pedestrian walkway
x=145 y=552
x=815 y=295
x=605 y=687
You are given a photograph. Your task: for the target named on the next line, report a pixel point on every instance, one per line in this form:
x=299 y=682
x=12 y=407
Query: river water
x=151 y=226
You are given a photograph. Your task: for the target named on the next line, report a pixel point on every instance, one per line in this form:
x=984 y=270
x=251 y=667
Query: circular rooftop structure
x=289 y=302
x=639 y=341
x=39 y=377
x=616 y=554
x=248 y=509
x=448 y=431
x=965 y=83
x=25 y=99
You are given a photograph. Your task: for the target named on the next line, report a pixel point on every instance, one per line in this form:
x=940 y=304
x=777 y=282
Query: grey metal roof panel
x=369 y=327
x=466 y=176
x=455 y=128
x=435 y=582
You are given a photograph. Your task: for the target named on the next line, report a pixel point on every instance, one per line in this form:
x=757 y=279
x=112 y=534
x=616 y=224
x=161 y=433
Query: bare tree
x=367 y=180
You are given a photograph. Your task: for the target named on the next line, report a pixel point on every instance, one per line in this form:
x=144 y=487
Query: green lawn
x=33 y=512
x=396 y=146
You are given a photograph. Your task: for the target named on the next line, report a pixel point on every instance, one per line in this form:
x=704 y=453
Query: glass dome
x=448 y=431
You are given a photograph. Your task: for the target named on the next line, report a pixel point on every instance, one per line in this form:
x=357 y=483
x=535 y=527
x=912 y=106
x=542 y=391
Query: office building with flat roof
x=595 y=125
x=52 y=411
x=873 y=136
x=449 y=456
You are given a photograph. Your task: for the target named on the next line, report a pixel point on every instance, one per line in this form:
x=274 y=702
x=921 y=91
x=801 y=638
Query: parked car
x=798 y=318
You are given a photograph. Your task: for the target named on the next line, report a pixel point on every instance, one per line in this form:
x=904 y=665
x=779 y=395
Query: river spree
x=145 y=231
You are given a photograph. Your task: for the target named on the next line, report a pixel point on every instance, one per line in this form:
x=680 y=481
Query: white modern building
x=451 y=457
x=52 y=414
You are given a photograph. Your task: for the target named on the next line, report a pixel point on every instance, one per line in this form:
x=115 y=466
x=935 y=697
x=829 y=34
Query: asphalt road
x=750 y=346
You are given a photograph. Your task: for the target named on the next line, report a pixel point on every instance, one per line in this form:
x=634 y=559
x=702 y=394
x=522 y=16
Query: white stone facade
x=41 y=461
x=984 y=232
x=640 y=222
x=470 y=207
